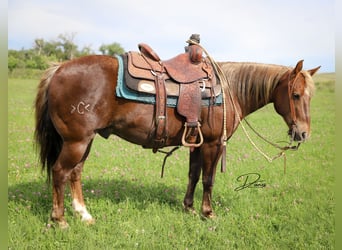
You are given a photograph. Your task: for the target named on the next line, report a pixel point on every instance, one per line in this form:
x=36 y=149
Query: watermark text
x=250 y=180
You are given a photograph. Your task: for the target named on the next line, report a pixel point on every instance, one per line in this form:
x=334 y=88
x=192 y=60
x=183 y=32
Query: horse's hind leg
x=70 y=157
x=76 y=190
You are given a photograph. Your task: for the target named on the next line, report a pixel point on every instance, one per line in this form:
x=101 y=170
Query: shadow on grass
x=38 y=195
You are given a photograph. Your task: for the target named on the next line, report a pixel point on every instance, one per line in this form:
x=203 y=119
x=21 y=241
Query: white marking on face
x=306 y=92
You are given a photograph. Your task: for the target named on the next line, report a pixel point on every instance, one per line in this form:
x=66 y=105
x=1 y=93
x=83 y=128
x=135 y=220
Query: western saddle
x=188 y=76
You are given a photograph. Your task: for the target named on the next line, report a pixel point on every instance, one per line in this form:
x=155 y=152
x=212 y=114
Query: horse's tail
x=49 y=142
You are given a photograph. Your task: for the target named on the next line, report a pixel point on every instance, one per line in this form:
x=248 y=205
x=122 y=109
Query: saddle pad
x=123 y=91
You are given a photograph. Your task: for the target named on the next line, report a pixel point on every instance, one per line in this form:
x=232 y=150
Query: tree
x=60 y=49
x=111 y=49
x=68 y=45
x=39 y=45
x=12 y=62
x=85 y=51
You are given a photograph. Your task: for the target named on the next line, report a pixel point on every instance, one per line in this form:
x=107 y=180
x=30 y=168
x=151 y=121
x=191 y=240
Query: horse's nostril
x=304 y=135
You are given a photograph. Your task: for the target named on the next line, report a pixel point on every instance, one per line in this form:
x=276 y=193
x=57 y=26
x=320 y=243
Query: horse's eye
x=296 y=96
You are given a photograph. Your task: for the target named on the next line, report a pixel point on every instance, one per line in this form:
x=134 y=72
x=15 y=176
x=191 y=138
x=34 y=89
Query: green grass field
x=135 y=208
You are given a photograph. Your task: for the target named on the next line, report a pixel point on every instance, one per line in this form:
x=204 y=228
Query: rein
x=282 y=149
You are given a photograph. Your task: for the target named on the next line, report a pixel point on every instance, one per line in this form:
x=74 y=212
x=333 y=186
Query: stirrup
x=196 y=145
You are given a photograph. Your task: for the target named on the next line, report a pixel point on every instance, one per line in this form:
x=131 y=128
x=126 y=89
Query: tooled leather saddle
x=188 y=76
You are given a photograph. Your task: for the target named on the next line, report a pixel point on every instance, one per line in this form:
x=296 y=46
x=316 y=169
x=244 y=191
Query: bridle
x=291 y=85
x=289 y=146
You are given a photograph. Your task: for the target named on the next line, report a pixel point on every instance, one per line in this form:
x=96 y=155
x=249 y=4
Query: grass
x=135 y=208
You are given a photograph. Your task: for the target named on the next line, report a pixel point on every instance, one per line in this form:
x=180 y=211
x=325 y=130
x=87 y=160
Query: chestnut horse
x=76 y=100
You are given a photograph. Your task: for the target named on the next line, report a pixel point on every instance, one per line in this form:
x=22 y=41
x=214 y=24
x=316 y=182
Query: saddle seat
x=182 y=68
x=175 y=71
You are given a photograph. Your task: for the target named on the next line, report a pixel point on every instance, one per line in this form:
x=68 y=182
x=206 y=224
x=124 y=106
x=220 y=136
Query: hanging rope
x=224 y=84
x=167 y=154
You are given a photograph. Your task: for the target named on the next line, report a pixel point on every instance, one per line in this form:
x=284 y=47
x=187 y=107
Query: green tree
x=68 y=46
x=16 y=59
x=59 y=49
x=86 y=50
x=12 y=62
x=39 y=45
x=111 y=49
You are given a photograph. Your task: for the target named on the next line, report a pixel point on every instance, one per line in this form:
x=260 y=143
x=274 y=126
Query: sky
x=266 y=31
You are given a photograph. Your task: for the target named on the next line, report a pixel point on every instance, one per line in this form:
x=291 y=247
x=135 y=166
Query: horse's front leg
x=210 y=154
x=195 y=165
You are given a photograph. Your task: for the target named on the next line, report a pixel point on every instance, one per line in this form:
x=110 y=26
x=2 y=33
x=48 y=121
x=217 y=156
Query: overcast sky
x=278 y=32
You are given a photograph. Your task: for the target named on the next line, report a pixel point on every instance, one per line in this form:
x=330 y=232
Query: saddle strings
x=222 y=77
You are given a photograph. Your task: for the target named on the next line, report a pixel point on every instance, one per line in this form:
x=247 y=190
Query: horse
x=76 y=100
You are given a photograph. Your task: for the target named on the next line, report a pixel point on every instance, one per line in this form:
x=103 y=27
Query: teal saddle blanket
x=123 y=91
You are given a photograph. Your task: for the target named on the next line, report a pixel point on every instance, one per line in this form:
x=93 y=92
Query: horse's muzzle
x=298 y=136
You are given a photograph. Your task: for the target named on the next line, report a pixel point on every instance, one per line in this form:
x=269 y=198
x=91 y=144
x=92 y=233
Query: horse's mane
x=257 y=80
x=253 y=80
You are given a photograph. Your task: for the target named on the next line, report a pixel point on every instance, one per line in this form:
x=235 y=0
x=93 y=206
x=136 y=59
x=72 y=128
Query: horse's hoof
x=89 y=222
x=211 y=216
x=58 y=223
x=189 y=210
x=208 y=215
x=61 y=224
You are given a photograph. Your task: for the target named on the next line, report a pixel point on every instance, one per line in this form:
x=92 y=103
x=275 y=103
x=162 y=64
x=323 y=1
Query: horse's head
x=292 y=100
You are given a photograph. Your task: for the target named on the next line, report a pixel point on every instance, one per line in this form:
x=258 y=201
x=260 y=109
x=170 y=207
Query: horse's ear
x=313 y=71
x=298 y=67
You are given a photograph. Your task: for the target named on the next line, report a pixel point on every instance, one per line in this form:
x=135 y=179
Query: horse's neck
x=253 y=83
x=251 y=107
